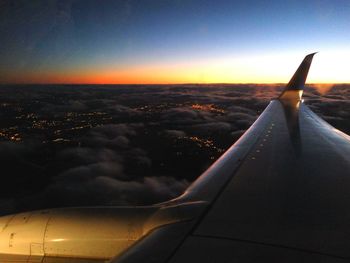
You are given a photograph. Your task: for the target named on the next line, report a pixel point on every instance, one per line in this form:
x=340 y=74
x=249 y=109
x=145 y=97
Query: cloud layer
x=126 y=145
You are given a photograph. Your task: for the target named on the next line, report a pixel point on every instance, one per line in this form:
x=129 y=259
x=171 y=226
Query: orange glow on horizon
x=323 y=88
x=267 y=69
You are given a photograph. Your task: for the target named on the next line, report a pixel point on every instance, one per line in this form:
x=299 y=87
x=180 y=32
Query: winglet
x=294 y=89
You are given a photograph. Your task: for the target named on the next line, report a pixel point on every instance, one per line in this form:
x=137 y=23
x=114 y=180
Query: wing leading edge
x=279 y=194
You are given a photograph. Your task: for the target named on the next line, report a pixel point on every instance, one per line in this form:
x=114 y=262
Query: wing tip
x=310 y=56
x=295 y=87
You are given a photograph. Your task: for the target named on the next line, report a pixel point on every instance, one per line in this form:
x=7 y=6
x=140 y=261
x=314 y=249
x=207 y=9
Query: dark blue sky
x=127 y=41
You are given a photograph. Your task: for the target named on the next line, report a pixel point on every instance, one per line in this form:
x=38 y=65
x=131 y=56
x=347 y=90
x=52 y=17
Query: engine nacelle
x=82 y=234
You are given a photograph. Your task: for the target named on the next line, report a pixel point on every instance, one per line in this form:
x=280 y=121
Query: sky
x=177 y=41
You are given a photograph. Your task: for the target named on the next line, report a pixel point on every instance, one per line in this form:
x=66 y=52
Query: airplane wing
x=279 y=194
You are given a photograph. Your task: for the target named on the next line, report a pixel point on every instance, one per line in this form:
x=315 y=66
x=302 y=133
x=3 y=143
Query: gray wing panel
x=292 y=191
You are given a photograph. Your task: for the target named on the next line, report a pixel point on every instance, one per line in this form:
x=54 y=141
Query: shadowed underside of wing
x=280 y=194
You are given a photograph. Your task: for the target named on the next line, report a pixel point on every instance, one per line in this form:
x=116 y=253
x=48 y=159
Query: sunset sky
x=177 y=41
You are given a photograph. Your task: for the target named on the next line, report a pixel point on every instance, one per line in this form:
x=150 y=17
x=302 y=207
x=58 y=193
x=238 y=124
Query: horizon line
x=189 y=83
